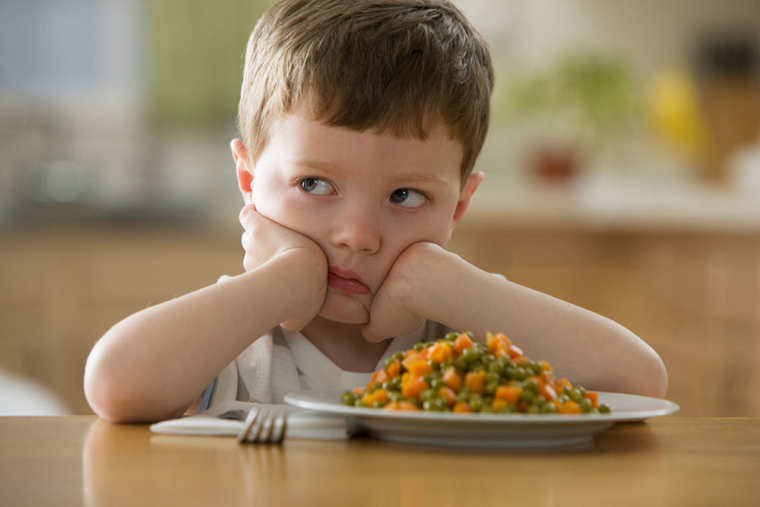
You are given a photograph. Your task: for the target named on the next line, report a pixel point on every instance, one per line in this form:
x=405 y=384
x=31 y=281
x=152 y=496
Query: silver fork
x=264 y=424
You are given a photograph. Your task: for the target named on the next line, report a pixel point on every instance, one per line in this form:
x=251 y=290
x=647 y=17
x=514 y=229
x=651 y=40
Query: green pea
x=492 y=377
x=521 y=373
x=461 y=363
x=476 y=402
x=494 y=367
x=396 y=383
x=398 y=356
x=491 y=387
x=604 y=409
x=576 y=396
x=348 y=398
x=360 y=403
x=527 y=396
x=395 y=396
x=586 y=405
x=470 y=354
x=419 y=346
x=563 y=398
x=532 y=409
x=427 y=394
x=530 y=385
x=437 y=383
x=440 y=404
x=451 y=336
x=463 y=394
x=548 y=408
x=379 y=404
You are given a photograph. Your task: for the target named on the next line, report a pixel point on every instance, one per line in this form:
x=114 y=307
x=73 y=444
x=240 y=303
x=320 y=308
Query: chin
x=344 y=308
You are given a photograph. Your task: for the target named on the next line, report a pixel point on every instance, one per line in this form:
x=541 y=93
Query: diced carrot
x=419 y=368
x=462 y=342
x=376 y=395
x=382 y=376
x=510 y=394
x=408 y=359
x=475 y=381
x=447 y=394
x=410 y=352
x=570 y=407
x=498 y=344
x=545 y=366
x=357 y=391
x=499 y=404
x=515 y=351
x=425 y=353
x=462 y=407
x=521 y=360
x=441 y=352
x=452 y=379
x=560 y=383
x=374 y=377
x=413 y=387
x=548 y=392
x=407 y=405
x=593 y=397
x=393 y=369
x=394 y=405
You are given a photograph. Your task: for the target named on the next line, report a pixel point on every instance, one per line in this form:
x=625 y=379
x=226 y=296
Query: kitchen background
x=622 y=174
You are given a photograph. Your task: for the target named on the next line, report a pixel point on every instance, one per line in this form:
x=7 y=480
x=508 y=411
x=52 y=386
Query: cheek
x=291 y=212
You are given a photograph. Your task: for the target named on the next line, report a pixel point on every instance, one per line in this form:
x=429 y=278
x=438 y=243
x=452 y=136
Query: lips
x=346 y=281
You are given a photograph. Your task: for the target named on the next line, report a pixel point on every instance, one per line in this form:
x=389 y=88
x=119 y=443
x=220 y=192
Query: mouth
x=345 y=280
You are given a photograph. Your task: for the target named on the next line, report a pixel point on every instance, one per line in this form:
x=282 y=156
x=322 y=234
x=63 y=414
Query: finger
x=248 y=211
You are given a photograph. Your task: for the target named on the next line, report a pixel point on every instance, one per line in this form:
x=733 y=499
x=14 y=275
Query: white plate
x=490 y=430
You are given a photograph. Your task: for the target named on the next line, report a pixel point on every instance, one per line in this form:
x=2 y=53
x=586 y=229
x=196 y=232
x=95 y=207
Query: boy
x=361 y=122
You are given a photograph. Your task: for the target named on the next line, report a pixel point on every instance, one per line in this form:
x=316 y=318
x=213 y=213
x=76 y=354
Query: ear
x=243 y=169
x=470 y=186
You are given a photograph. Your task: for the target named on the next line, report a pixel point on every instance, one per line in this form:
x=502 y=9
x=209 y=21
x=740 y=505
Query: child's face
x=363 y=197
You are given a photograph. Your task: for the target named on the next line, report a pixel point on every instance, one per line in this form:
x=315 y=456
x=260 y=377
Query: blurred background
x=622 y=174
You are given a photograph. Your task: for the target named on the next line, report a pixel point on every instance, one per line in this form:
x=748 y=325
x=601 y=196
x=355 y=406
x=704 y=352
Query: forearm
x=583 y=346
x=153 y=364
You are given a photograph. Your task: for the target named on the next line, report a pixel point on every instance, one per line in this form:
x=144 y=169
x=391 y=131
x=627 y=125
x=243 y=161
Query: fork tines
x=264 y=424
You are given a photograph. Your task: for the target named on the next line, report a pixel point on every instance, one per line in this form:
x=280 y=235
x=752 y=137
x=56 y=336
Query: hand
x=395 y=309
x=264 y=239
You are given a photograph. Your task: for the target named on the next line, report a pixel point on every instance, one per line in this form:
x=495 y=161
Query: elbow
x=108 y=388
x=647 y=374
x=657 y=378
x=103 y=392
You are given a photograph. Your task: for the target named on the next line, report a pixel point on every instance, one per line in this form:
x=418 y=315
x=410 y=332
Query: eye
x=315 y=186
x=408 y=198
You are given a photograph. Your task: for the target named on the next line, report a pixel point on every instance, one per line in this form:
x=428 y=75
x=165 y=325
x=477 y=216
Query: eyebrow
x=407 y=177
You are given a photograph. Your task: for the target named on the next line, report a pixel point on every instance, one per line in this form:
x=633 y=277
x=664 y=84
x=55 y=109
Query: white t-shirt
x=280 y=362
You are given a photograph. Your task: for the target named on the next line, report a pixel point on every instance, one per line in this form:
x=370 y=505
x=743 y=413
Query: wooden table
x=81 y=460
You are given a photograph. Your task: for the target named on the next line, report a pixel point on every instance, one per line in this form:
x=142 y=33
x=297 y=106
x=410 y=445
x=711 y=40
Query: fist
x=395 y=309
x=264 y=239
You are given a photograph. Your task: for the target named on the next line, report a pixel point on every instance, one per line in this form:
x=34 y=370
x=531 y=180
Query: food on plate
x=458 y=374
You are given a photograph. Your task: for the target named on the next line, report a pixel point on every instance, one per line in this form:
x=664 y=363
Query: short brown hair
x=390 y=65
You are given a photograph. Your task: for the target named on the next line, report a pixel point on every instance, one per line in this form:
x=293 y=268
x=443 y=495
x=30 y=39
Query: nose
x=359 y=230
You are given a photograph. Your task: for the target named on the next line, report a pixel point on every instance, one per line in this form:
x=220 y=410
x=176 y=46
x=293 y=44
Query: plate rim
x=323 y=403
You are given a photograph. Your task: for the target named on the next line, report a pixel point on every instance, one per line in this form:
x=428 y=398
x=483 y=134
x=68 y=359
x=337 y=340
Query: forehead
x=296 y=137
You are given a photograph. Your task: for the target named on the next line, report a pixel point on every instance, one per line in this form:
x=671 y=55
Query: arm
x=154 y=364
x=587 y=348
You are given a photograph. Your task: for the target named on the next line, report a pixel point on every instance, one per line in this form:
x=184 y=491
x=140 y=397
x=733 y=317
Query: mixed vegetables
x=457 y=374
